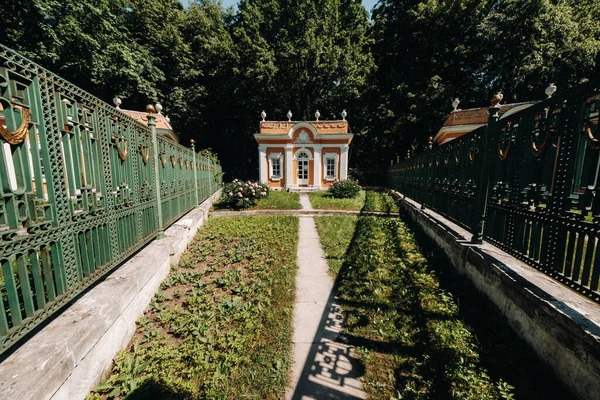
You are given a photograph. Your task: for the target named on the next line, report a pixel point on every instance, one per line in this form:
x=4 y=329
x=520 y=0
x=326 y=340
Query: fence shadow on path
x=331 y=371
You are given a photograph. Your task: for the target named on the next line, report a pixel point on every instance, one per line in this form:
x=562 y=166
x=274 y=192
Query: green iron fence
x=78 y=191
x=527 y=182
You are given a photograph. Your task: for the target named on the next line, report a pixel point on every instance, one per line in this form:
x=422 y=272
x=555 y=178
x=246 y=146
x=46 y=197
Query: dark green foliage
x=347 y=189
x=215 y=70
x=429 y=52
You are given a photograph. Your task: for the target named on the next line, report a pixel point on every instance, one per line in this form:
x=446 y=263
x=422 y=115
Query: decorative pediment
x=303 y=138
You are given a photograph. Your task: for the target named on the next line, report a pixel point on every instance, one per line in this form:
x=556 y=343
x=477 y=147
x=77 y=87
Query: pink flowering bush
x=239 y=194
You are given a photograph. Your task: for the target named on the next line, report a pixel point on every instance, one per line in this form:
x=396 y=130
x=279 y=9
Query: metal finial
x=497 y=99
x=344 y=115
x=455 y=104
x=317 y=115
x=289 y=115
x=117 y=102
x=192 y=142
x=158 y=107
x=150 y=109
x=550 y=90
x=263 y=115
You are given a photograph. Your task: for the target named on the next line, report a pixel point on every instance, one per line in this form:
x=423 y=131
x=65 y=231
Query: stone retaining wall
x=561 y=326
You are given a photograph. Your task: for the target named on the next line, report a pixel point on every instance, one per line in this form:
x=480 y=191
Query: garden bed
x=220 y=326
x=422 y=331
x=275 y=200
x=367 y=200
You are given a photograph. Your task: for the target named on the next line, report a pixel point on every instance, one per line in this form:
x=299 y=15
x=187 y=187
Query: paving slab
x=325 y=367
x=305 y=202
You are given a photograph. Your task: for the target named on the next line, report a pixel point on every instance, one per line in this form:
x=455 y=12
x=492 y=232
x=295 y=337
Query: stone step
x=308 y=189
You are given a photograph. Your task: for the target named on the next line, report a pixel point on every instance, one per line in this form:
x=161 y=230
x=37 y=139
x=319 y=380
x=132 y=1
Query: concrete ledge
x=300 y=213
x=561 y=326
x=67 y=358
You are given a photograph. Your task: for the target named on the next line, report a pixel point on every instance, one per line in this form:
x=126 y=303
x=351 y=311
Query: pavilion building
x=303 y=156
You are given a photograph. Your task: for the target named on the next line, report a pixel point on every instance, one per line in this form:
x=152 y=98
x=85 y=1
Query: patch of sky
x=368 y=4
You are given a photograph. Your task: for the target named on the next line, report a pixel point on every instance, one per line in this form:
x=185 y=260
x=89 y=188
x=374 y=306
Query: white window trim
x=303 y=150
x=275 y=156
x=331 y=156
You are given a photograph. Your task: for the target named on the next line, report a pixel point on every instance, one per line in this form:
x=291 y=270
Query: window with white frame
x=330 y=161
x=275 y=166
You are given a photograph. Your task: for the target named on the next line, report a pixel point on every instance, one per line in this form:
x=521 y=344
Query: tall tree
x=299 y=56
x=428 y=52
x=85 y=42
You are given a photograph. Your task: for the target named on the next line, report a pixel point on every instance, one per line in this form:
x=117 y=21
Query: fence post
x=152 y=126
x=211 y=175
x=478 y=227
x=195 y=173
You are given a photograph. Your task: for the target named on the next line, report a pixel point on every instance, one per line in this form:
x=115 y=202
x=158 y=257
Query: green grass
x=220 y=325
x=279 y=200
x=323 y=200
x=369 y=200
x=276 y=200
x=336 y=233
x=379 y=201
x=413 y=339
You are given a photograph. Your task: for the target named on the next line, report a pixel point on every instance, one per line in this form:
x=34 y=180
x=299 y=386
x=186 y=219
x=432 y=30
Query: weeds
x=408 y=329
x=220 y=325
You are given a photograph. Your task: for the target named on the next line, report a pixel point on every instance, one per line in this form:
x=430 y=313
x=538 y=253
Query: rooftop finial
x=455 y=104
x=289 y=115
x=117 y=102
x=158 y=107
x=550 y=90
x=263 y=115
x=317 y=115
x=344 y=115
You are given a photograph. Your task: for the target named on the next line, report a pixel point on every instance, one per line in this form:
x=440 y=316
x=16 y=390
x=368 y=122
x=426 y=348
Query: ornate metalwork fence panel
x=539 y=186
x=77 y=191
x=445 y=179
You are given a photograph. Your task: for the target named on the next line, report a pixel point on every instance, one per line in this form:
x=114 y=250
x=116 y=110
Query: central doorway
x=302 y=169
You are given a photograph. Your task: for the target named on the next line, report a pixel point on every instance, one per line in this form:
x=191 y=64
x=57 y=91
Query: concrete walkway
x=324 y=366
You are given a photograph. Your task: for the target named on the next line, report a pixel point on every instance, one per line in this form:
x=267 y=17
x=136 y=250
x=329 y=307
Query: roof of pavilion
x=460 y=122
x=142 y=116
x=163 y=125
x=322 y=127
x=289 y=130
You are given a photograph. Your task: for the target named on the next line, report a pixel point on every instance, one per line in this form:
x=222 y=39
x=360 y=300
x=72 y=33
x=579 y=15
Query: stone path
x=324 y=366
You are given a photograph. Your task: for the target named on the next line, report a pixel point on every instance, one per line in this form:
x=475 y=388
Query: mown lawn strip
x=335 y=233
x=220 y=325
x=279 y=200
x=379 y=201
x=323 y=200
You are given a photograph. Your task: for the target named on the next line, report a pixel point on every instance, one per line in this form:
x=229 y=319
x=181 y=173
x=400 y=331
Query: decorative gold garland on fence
x=18 y=135
x=122 y=153
x=146 y=156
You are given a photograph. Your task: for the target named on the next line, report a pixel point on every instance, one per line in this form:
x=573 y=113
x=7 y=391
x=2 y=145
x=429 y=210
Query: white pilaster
x=262 y=161
x=317 y=167
x=288 y=167
x=344 y=163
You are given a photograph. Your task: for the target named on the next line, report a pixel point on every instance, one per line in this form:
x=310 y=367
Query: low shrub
x=344 y=189
x=239 y=194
